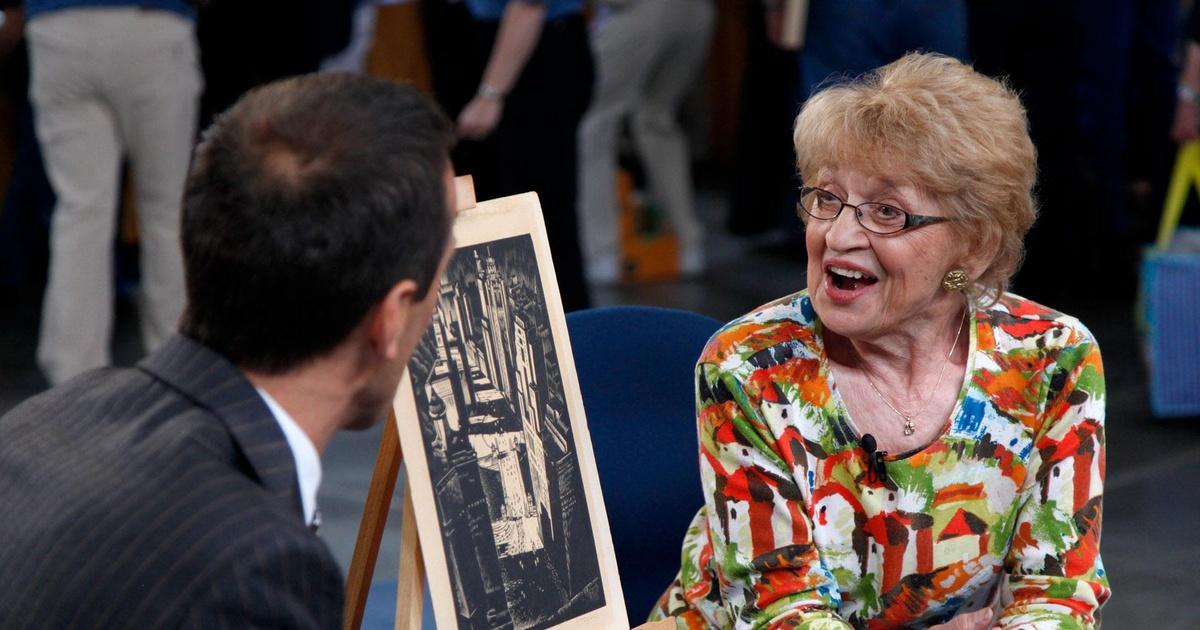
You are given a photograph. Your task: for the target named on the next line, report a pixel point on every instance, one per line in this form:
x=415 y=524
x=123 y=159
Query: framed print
x=505 y=491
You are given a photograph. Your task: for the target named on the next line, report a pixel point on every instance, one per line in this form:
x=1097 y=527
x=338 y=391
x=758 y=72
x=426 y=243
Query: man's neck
x=317 y=395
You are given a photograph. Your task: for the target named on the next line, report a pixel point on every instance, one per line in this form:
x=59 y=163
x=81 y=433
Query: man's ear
x=391 y=317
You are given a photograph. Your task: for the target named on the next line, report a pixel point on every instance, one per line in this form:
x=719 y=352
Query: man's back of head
x=307 y=201
x=315 y=220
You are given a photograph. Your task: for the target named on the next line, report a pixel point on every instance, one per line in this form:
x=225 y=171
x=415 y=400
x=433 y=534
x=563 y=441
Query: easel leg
x=411 y=582
x=370 y=530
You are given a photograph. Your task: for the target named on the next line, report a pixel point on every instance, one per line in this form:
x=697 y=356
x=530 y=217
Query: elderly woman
x=903 y=444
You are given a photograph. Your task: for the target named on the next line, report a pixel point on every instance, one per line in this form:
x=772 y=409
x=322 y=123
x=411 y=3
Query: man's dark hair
x=308 y=200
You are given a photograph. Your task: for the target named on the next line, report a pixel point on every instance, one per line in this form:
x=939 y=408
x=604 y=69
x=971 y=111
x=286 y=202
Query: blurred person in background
x=28 y=200
x=353 y=57
x=456 y=62
x=536 y=84
x=245 y=43
x=846 y=39
x=762 y=179
x=110 y=78
x=841 y=40
x=649 y=54
x=1098 y=80
x=1186 y=126
x=903 y=443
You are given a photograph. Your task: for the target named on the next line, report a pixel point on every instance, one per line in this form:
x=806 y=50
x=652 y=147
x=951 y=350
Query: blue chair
x=636 y=371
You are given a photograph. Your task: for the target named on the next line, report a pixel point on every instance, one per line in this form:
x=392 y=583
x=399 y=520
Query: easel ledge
x=411 y=578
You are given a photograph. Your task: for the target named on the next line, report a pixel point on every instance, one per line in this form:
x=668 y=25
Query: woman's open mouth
x=844 y=284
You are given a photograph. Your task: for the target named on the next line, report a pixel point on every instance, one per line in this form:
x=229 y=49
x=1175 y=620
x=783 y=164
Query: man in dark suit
x=316 y=217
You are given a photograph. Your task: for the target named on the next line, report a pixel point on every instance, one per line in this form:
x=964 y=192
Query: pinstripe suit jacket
x=156 y=497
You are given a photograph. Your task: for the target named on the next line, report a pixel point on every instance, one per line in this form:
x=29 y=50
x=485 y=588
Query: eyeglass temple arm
x=917 y=220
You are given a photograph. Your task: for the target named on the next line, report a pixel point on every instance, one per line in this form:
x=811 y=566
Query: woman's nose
x=846 y=233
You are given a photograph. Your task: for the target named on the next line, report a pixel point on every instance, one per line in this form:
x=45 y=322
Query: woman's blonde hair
x=958 y=136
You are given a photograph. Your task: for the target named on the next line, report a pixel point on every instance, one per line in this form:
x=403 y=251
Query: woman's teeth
x=849 y=273
x=849 y=279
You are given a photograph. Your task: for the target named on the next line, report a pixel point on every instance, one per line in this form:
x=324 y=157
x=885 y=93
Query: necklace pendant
x=909 y=429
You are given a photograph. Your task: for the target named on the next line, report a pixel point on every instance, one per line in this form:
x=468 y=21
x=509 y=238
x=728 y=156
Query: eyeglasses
x=879 y=218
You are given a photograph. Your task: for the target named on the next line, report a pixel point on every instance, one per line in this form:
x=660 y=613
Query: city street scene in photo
x=511 y=507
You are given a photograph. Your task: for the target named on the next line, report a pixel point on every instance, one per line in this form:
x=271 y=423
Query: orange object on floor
x=649 y=251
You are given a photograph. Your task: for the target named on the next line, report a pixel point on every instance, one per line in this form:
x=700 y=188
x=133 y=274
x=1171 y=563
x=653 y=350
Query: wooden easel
x=370 y=531
x=411 y=578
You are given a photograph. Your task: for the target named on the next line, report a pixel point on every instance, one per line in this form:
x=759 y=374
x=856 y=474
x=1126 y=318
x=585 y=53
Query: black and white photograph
x=499 y=445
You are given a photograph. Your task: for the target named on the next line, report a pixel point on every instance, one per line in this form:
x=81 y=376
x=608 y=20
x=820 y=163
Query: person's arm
x=517 y=37
x=782 y=15
x=1187 y=104
x=11 y=28
x=761 y=553
x=1055 y=578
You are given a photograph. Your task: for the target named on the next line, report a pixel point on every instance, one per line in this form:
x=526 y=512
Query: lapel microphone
x=876 y=465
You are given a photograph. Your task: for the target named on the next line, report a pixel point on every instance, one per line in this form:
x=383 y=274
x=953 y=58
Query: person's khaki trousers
x=108 y=82
x=649 y=53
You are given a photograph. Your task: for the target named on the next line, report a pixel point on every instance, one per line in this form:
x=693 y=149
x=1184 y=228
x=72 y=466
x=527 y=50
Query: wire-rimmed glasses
x=880 y=218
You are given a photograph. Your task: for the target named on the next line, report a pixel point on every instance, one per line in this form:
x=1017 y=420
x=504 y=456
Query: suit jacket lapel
x=217 y=385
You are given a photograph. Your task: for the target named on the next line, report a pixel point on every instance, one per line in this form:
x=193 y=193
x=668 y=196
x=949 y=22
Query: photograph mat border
x=490 y=221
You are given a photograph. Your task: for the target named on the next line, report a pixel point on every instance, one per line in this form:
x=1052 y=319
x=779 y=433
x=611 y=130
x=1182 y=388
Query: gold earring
x=955 y=280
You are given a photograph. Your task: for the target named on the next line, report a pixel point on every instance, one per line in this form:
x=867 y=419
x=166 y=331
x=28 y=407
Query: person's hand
x=479 y=118
x=1187 y=121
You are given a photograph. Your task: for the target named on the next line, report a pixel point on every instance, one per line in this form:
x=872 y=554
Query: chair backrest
x=636 y=372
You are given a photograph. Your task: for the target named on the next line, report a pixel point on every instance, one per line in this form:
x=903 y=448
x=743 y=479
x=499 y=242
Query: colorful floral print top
x=795 y=534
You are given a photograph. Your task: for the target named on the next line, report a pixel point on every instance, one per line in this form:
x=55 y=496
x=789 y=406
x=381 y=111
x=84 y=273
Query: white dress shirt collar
x=308 y=462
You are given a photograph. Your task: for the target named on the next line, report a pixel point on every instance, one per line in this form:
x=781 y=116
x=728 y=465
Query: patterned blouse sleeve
x=762 y=552
x=1055 y=576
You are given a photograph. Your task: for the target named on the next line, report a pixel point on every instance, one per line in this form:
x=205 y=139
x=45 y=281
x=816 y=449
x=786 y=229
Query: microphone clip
x=876 y=462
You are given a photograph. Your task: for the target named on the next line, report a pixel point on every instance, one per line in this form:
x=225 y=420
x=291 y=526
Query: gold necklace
x=909 y=426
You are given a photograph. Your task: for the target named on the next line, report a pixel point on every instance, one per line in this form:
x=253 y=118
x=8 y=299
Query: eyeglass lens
x=876 y=217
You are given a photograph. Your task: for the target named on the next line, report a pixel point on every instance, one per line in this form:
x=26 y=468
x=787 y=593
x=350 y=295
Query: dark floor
x=1152 y=507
